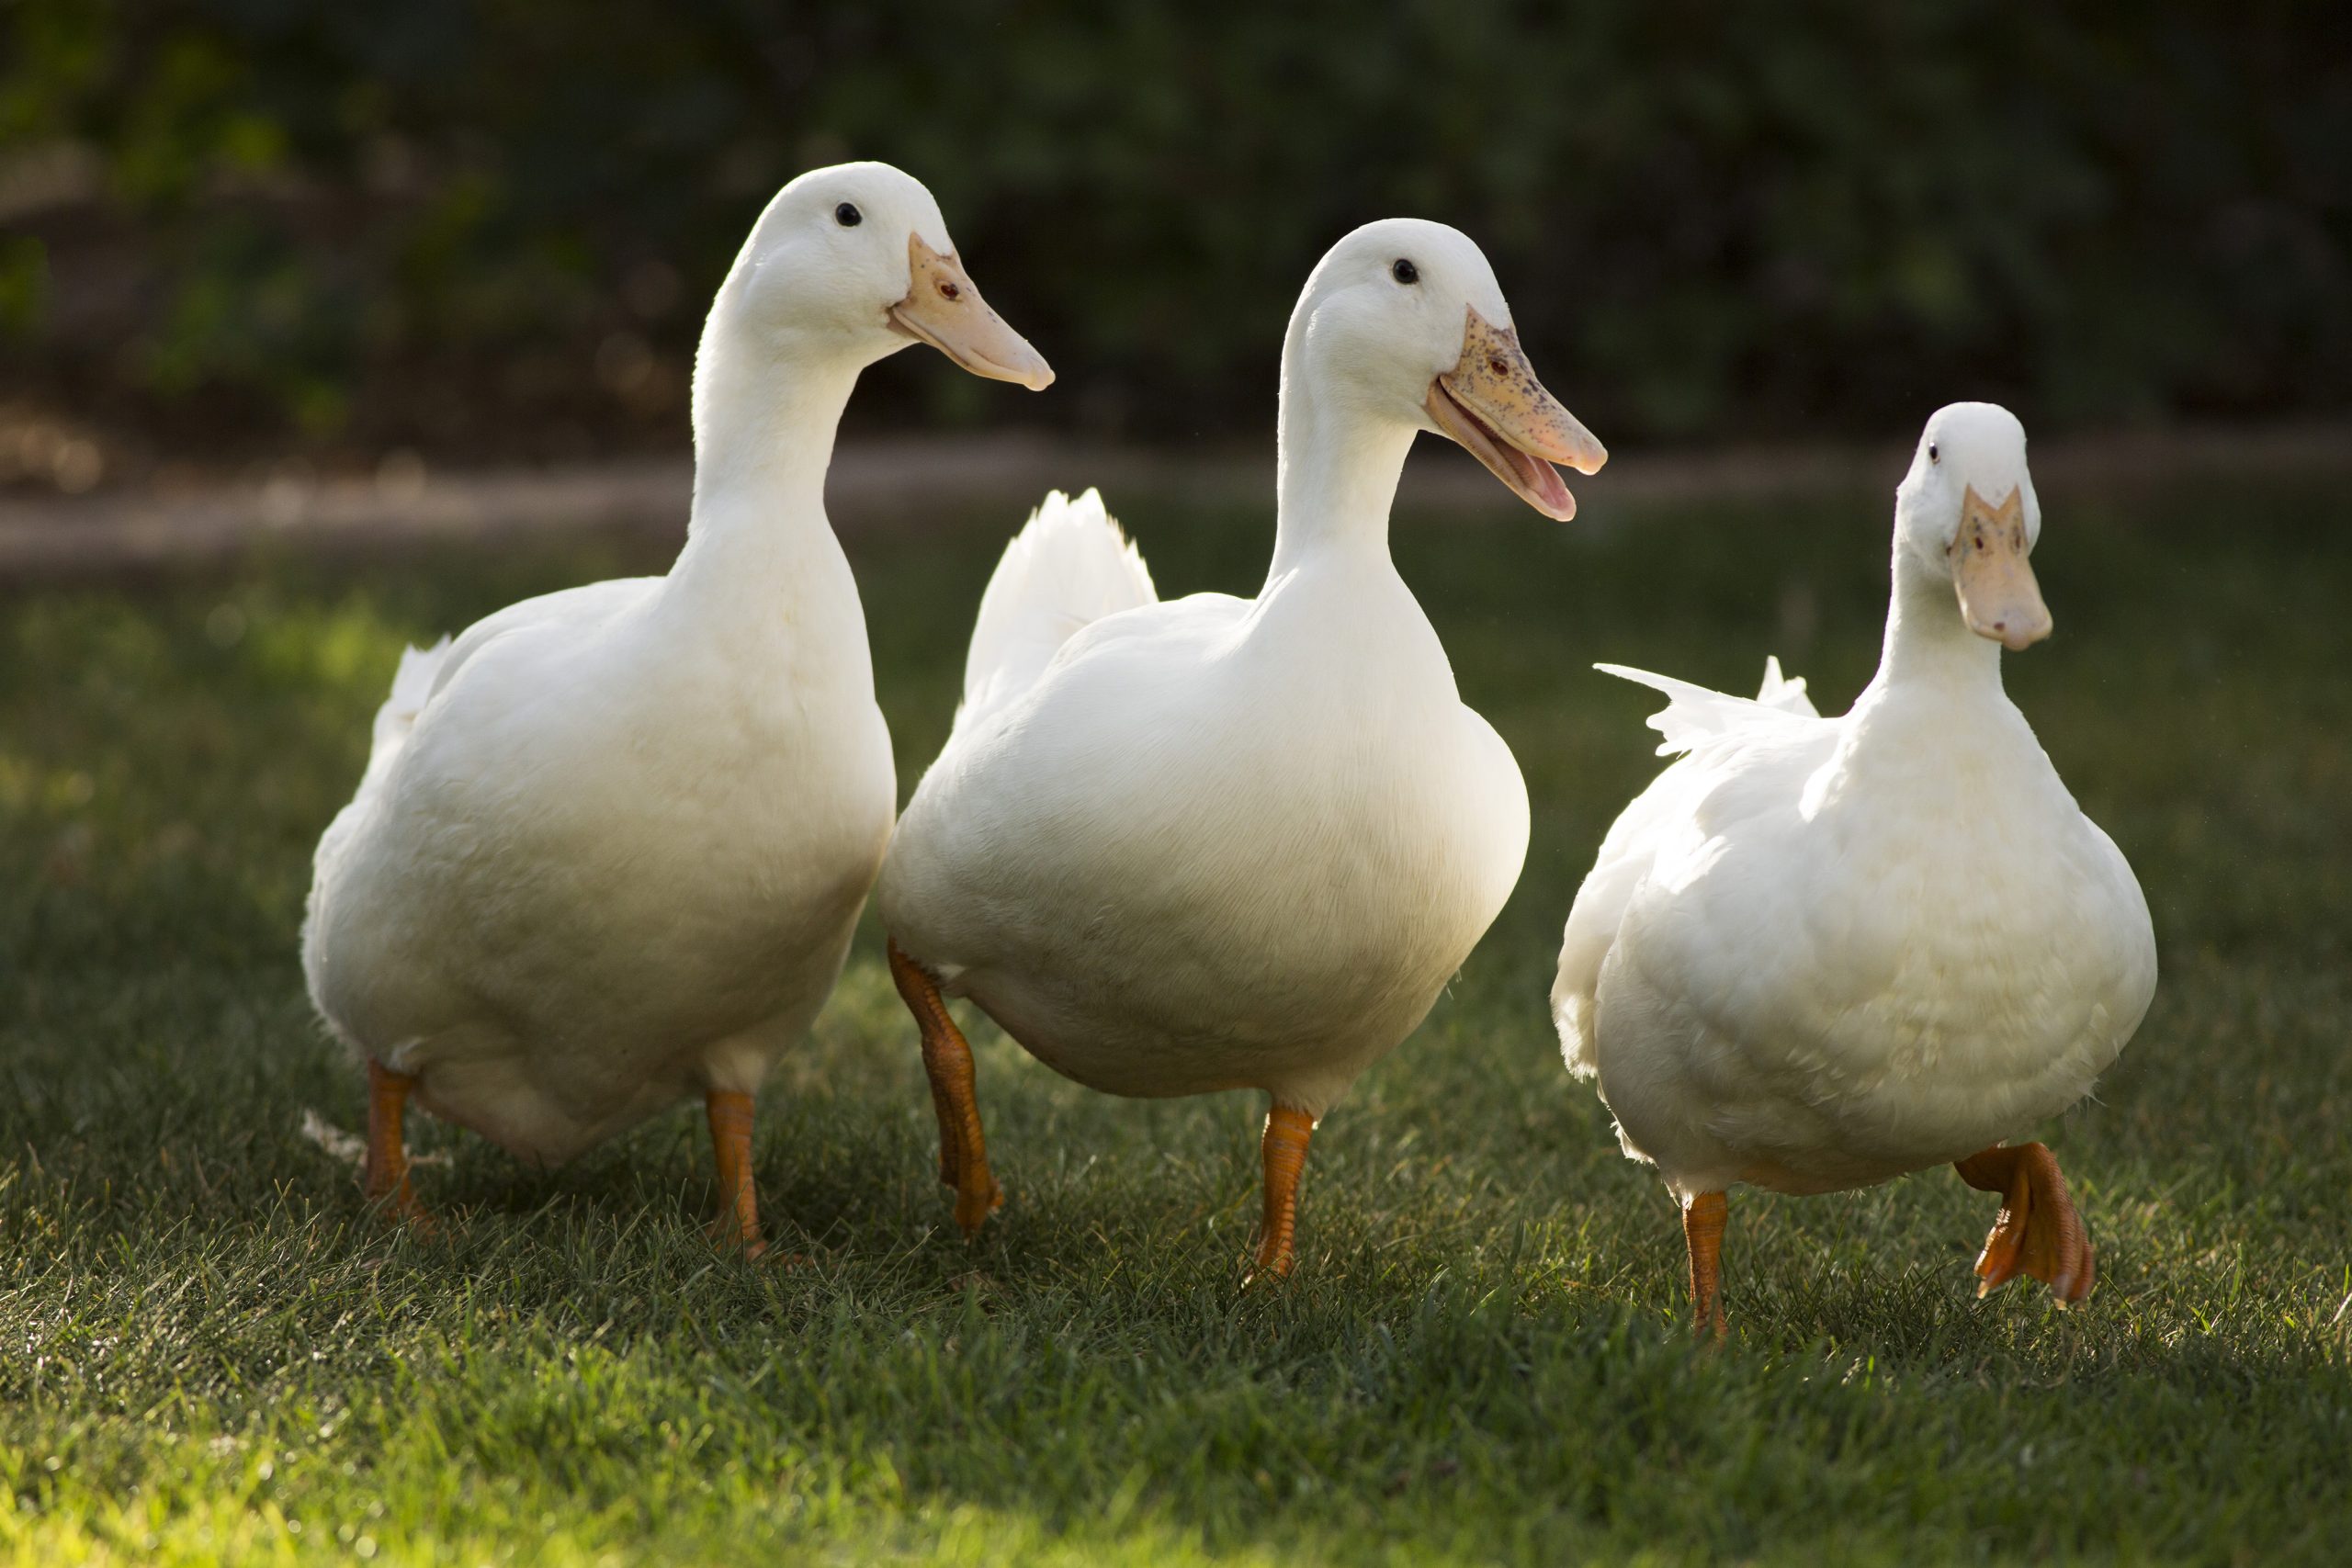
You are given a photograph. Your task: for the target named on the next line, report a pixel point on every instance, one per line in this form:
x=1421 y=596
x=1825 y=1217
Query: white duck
x=611 y=843
x=1819 y=953
x=1235 y=844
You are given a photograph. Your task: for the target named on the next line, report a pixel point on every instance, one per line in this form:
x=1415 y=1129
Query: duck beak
x=944 y=309
x=1491 y=403
x=1998 y=597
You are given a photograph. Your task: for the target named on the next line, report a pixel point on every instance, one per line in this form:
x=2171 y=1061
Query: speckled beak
x=944 y=309
x=1491 y=403
x=1998 y=595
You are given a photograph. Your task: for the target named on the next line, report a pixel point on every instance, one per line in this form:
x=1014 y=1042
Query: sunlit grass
x=206 y=1348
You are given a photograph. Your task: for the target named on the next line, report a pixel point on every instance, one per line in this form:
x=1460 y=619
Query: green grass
x=206 y=1348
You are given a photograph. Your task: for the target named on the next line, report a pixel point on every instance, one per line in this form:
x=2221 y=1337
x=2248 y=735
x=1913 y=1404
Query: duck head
x=1966 y=512
x=1403 y=321
x=853 y=262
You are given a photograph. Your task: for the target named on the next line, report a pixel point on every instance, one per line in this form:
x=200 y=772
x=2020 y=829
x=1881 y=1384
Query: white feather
x=412 y=687
x=1695 y=713
x=1069 y=567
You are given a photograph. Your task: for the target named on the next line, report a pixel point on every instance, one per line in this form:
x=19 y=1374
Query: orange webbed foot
x=2038 y=1232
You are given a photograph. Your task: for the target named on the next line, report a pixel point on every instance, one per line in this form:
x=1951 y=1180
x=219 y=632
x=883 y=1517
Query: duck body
x=1216 y=843
x=1219 y=844
x=617 y=859
x=1819 y=953
x=610 y=845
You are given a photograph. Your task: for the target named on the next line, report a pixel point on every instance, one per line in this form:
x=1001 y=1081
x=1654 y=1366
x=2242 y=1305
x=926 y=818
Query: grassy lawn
x=207 y=1349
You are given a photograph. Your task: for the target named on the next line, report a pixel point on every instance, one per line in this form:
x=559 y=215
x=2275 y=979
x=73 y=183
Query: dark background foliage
x=490 y=227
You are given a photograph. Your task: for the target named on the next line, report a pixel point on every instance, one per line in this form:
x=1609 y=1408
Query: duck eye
x=1404 y=271
x=848 y=217
x=1931 y=452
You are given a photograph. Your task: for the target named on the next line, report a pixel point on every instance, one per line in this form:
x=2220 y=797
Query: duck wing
x=1715 y=735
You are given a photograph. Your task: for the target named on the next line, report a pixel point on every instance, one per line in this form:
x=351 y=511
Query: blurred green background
x=489 y=229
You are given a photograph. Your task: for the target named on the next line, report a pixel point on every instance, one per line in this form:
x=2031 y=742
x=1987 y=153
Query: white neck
x=765 y=413
x=1336 y=472
x=1927 y=644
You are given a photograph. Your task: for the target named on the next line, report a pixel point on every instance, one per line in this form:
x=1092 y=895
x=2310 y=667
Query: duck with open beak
x=1492 y=404
x=943 y=309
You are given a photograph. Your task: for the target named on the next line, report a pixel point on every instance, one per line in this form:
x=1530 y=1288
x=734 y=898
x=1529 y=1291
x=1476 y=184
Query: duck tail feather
x=1694 y=715
x=1784 y=693
x=1068 y=567
x=412 y=688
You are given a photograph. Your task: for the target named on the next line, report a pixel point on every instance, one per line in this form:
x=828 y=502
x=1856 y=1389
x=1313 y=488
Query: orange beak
x=944 y=309
x=1998 y=595
x=1491 y=403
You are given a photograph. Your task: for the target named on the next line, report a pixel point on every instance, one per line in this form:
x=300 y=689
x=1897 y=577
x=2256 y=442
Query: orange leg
x=730 y=1141
x=385 y=1179
x=1703 y=1214
x=963 y=1146
x=1284 y=1151
x=2038 y=1231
